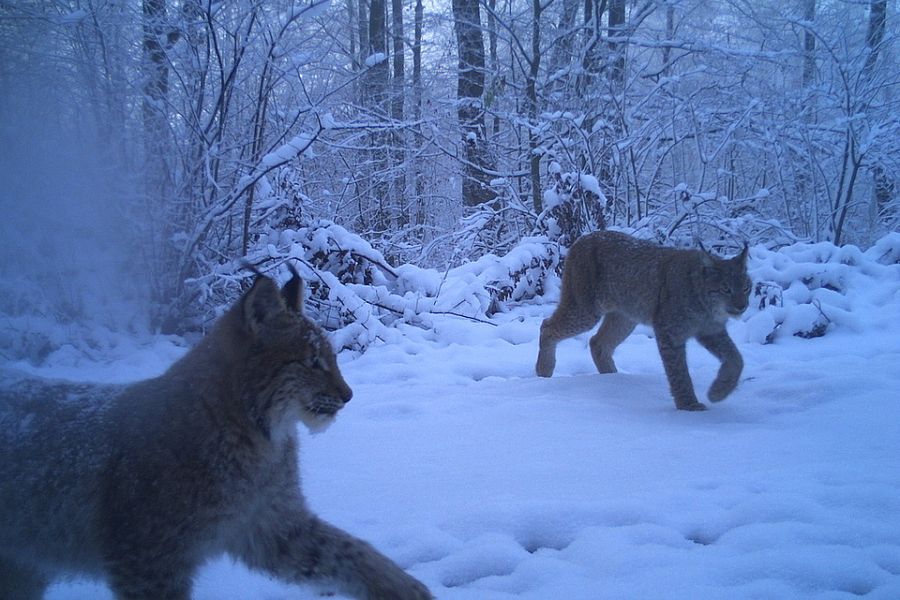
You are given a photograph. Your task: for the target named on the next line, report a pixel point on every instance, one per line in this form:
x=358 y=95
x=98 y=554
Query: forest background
x=150 y=148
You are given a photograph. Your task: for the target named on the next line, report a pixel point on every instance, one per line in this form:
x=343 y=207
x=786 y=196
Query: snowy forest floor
x=489 y=483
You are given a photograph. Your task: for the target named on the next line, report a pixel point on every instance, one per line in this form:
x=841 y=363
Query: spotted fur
x=682 y=294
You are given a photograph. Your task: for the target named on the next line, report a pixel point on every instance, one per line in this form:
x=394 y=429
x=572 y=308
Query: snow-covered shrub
x=805 y=290
x=688 y=218
x=90 y=310
x=487 y=285
x=494 y=227
x=573 y=206
x=353 y=292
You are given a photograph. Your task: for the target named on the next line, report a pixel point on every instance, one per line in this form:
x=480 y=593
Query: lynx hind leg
x=721 y=346
x=567 y=321
x=21 y=583
x=613 y=331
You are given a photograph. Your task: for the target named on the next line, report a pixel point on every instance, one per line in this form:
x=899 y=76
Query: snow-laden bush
x=685 y=218
x=805 y=290
x=353 y=292
x=573 y=206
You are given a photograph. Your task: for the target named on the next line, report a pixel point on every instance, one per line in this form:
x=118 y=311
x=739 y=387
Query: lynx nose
x=343 y=392
x=739 y=308
x=340 y=389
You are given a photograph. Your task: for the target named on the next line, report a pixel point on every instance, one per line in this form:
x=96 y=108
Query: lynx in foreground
x=142 y=484
x=681 y=293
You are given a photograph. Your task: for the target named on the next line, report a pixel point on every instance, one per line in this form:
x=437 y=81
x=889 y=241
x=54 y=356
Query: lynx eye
x=317 y=363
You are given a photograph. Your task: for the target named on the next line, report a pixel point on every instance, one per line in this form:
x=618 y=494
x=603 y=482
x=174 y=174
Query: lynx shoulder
x=142 y=484
x=681 y=293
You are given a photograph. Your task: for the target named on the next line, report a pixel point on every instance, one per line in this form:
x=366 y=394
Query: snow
x=316 y=8
x=300 y=144
x=489 y=483
x=591 y=184
x=73 y=18
x=376 y=58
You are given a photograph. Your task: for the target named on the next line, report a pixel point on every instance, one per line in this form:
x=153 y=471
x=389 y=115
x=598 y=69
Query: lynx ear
x=742 y=257
x=262 y=302
x=292 y=292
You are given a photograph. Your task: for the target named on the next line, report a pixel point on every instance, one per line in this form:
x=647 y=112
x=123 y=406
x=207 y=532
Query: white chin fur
x=316 y=423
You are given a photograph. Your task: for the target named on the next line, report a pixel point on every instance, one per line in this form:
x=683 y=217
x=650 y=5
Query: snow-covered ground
x=487 y=482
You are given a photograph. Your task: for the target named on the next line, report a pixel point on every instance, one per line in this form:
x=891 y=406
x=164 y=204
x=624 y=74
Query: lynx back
x=680 y=293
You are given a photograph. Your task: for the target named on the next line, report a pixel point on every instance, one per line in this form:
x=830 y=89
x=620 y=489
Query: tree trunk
x=615 y=79
x=875 y=34
x=353 y=20
x=884 y=184
x=398 y=139
x=497 y=81
x=616 y=28
x=362 y=21
x=809 y=44
x=470 y=103
x=154 y=110
x=417 y=109
x=586 y=84
x=590 y=66
x=670 y=35
x=156 y=89
x=531 y=95
x=377 y=100
x=377 y=74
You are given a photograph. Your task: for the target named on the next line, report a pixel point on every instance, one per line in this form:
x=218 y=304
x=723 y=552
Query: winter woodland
x=426 y=165
x=400 y=152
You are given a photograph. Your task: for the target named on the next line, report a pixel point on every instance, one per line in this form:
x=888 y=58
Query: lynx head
x=727 y=284
x=292 y=372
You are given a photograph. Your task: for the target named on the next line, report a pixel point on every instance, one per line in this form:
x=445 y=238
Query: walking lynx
x=142 y=484
x=681 y=293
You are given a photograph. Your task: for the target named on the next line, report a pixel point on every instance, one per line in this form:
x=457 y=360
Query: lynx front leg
x=306 y=549
x=149 y=577
x=674 y=358
x=722 y=347
x=613 y=331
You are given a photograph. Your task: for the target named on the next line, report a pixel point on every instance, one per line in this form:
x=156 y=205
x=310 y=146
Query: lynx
x=680 y=293
x=141 y=484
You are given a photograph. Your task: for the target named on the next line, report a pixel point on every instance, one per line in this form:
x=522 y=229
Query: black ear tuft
x=252 y=268
x=742 y=257
x=292 y=292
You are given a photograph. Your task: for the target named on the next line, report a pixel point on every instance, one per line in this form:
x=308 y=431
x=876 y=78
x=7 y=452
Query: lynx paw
x=605 y=365
x=545 y=365
x=720 y=389
x=399 y=586
x=696 y=406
